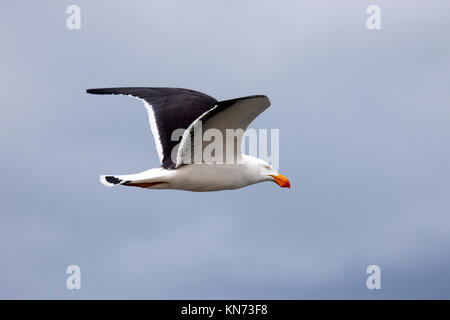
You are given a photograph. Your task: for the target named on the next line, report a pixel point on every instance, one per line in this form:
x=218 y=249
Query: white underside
x=202 y=177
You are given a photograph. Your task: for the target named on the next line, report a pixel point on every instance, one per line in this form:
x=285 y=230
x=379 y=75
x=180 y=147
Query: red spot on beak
x=281 y=180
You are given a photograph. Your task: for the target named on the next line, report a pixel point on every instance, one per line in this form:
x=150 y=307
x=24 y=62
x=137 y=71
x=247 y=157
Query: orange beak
x=281 y=180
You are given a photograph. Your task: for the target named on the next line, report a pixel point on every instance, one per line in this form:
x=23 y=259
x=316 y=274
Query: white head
x=262 y=171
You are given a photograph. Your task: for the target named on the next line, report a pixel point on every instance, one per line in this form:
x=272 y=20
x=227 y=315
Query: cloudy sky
x=364 y=139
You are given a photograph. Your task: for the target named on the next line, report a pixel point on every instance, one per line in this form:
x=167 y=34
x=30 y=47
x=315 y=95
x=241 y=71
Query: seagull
x=172 y=109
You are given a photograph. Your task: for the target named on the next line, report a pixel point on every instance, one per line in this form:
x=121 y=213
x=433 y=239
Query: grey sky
x=364 y=139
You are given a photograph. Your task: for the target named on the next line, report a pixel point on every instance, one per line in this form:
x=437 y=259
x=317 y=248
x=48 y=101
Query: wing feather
x=230 y=114
x=168 y=109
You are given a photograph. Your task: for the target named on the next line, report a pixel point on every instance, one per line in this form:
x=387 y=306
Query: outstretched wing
x=229 y=114
x=168 y=109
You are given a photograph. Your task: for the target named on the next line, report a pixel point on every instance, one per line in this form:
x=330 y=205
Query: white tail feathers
x=149 y=176
x=111 y=181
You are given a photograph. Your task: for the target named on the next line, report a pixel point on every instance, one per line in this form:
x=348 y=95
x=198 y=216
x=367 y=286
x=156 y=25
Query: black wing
x=169 y=109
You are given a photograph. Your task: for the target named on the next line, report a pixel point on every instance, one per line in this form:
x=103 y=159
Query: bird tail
x=146 y=179
x=111 y=181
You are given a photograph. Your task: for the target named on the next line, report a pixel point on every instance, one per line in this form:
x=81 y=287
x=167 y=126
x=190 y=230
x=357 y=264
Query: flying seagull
x=170 y=109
